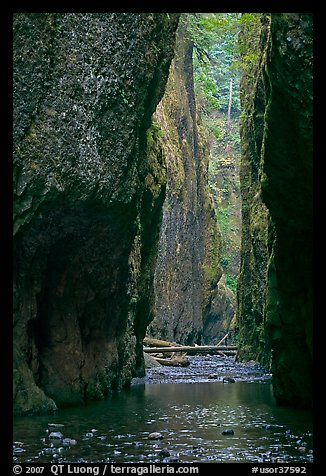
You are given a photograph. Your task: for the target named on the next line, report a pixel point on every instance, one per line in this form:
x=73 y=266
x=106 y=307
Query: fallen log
x=175 y=361
x=222 y=340
x=189 y=349
x=150 y=342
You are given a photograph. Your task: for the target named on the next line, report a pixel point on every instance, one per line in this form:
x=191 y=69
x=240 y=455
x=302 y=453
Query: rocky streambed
x=206 y=368
x=174 y=414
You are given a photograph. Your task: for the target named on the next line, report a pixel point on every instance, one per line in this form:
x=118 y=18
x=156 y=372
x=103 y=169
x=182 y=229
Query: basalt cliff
x=88 y=195
x=187 y=270
x=275 y=283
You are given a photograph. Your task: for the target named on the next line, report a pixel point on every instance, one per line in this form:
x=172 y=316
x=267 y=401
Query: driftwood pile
x=173 y=358
x=173 y=354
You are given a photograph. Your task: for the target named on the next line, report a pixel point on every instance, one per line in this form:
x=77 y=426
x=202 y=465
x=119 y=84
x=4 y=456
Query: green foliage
x=231 y=282
x=207 y=29
x=225 y=46
x=224 y=261
x=153 y=132
x=214 y=37
x=214 y=126
x=249 y=46
x=224 y=183
x=206 y=89
x=223 y=215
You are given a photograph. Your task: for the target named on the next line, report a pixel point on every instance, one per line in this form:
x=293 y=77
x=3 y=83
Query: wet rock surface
x=228 y=431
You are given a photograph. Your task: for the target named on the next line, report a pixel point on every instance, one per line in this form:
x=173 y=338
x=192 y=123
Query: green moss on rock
x=87 y=199
x=187 y=262
x=275 y=286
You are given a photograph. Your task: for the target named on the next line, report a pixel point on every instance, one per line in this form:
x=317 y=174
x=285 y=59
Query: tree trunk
x=230 y=102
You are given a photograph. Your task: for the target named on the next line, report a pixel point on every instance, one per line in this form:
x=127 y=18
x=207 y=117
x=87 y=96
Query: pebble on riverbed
x=172 y=459
x=228 y=431
x=164 y=453
x=19 y=450
x=228 y=380
x=55 y=425
x=69 y=442
x=55 y=435
x=155 y=436
x=48 y=451
x=302 y=449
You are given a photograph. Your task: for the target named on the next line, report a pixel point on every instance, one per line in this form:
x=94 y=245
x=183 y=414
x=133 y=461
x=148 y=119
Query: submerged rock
x=55 y=435
x=69 y=442
x=19 y=450
x=164 y=453
x=302 y=449
x=48 y=451
x=228 y=431
x=155 y=436
x=172 y=459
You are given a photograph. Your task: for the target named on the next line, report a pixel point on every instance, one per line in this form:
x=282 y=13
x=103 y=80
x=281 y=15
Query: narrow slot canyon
x=163 y=192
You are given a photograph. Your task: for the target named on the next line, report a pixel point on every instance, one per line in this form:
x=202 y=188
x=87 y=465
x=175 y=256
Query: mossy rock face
x=275 y=285
x=287 y=193
x=253 y=342
x=188 y=251
x=87 y=199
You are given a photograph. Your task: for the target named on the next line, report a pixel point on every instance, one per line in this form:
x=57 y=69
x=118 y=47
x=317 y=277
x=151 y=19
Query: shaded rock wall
x=287 y=192
x=220 y=315
x=187 y=268
x=281 y=135
x=252 y=280
x=88 y=193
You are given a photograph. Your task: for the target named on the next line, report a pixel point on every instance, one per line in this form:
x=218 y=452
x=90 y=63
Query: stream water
x=190 y=407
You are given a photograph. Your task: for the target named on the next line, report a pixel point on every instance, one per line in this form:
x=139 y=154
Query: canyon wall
x=88 y=194
x=287 y=190
x=252 y=280
x=277 y=209
x=187 y=270
x=114 y=226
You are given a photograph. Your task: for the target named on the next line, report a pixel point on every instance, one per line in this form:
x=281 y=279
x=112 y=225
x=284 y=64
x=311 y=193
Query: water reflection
x=190 y=417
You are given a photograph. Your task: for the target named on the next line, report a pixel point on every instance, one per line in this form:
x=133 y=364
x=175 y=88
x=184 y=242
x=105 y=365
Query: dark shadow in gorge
x=79 y=304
